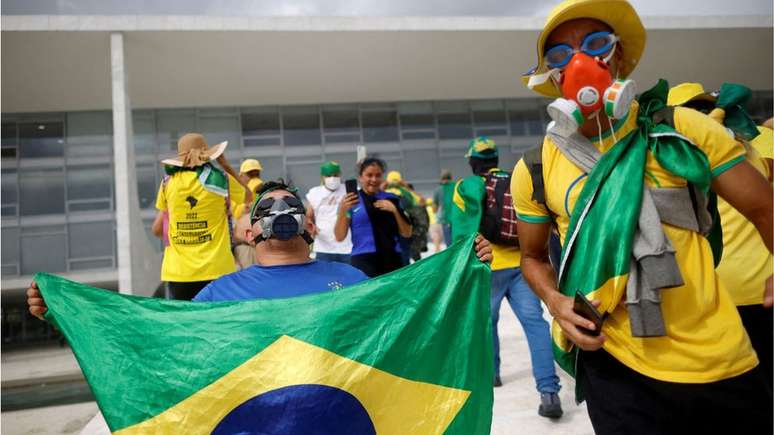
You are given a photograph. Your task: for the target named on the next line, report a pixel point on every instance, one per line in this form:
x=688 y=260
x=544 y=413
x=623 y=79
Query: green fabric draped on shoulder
x=213 y=179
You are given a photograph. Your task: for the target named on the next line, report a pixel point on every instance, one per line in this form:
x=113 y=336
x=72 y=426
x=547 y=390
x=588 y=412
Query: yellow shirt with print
x=746 y=262
x=705 y=339
x=199 y=238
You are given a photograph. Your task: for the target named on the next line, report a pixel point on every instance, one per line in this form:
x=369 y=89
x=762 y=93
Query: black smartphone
x=350 y=185
x=583 y=307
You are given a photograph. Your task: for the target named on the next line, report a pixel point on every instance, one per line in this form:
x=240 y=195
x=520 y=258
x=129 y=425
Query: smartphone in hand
x=350 y=185
x=584 y=307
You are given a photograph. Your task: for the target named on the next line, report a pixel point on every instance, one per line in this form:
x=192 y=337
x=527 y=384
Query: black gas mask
x=280 y=218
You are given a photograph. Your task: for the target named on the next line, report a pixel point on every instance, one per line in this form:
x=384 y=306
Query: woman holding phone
x=376 y=220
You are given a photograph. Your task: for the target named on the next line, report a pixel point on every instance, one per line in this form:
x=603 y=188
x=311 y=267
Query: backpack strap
x=533 y=158
x=665 y=115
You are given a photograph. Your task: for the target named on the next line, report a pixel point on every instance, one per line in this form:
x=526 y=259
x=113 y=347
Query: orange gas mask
x=588 y=87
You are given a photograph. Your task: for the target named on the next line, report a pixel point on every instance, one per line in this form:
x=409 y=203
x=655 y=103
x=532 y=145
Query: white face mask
x=332 y=183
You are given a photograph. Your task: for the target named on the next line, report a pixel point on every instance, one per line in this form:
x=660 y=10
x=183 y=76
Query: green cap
x=483 y=148
x=329 y=169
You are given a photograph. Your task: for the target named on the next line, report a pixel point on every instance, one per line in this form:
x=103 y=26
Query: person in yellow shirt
x=435 y=229
x=195 y=194
x=249 y=174
x=672 y=355
x=475 y=198
x=746 y=265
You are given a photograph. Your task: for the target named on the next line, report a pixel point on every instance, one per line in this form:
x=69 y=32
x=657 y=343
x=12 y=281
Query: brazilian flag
x=405 y=353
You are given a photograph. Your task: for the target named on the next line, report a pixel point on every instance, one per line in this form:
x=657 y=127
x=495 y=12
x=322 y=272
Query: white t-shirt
x=325 y=205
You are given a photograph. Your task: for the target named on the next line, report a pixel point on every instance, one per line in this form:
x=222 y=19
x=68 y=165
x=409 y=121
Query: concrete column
x=138 y=263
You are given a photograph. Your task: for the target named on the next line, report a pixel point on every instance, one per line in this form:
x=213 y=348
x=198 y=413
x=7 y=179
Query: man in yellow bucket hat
x=629 y=185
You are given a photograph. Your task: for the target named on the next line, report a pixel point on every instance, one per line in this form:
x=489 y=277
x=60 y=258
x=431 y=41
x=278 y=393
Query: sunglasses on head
x=594 y=44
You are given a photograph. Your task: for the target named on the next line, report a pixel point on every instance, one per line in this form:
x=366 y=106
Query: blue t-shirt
x=363 y=238
x=274 y=282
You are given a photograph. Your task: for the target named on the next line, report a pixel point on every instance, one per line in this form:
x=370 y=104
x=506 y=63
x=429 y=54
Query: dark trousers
x=377 y=264
x=759 y=323
x=185 y=291
x=622 y=401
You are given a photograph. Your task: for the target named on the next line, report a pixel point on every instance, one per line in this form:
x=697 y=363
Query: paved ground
x=515 y=409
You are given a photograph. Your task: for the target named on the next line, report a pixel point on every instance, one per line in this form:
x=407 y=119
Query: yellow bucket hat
x=685 y=92
x=618 y=14
x=250 y=165
x=394 y=177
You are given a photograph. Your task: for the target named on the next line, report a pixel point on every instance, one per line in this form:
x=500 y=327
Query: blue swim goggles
x=594 y=44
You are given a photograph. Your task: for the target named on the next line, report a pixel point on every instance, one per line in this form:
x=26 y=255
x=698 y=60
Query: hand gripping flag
x=405 y=353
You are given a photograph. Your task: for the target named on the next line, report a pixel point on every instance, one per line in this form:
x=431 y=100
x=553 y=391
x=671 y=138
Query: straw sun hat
x=193 y=151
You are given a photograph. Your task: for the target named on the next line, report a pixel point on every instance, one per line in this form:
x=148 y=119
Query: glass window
x=526 y=118
x=89 y=134
x=10 y=245
x=144 y=135
x=91 y=239
x=8 y=194
x=381 y=126
x=341 y=120
x=454 y=126
x=417 y=120
x=301 y=126
x=489 y=118
x=264 y=123
x=43 y=252
x=41 y=139
x=41 y=192
x=89 y=183
x=8 y=142
x=171 y=124
x=106 y=263
x=147 y=186
x=454 y=120
x=341 y=124
x=217 y=129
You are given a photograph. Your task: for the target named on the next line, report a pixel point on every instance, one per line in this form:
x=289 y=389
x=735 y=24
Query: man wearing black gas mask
x=281 y=235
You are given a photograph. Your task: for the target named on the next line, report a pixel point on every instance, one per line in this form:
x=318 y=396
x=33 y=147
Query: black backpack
x=498 y=221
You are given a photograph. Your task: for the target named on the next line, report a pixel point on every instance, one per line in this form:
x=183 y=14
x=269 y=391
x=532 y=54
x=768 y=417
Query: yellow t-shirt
x=764 y=142
x=199 y=238
x=254 y=183
x=433 y=219
x=705 y=339
x=746 y=262
x=238 y=207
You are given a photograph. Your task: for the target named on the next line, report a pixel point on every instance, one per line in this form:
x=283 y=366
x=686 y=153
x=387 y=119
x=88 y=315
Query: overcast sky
x=364 y=7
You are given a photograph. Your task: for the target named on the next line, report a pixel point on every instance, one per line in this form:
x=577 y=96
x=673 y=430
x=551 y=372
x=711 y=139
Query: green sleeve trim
x=534 y=219
x=653 y=177
x=727 y=165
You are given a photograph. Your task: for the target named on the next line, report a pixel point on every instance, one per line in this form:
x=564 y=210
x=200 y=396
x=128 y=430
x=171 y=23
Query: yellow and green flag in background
x=405 y=353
